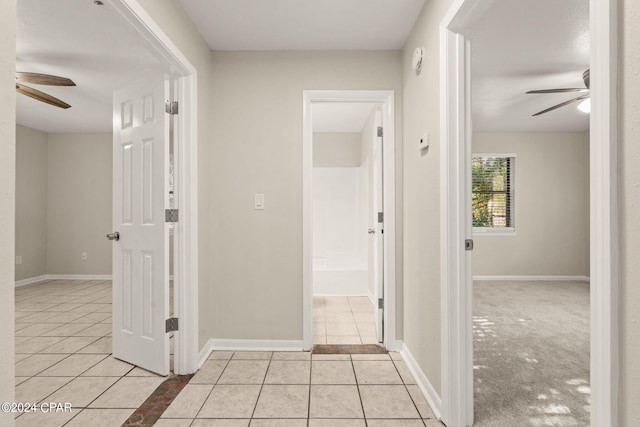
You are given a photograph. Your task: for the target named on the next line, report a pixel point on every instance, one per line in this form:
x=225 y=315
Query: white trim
x=494 y=231
x=63 y=277
x=385 y=97
x=455 y=219
x=186 y=233
x=493 y=155
x=368 y=295
x=78 y=276
x=457 y=408
x=256 y=345
x=204 y=353
x=246 y=345
x=31 y=280
x=45 y=277
x=422 y=381
x=604 y=212
x=534 y=278
x=371 y=298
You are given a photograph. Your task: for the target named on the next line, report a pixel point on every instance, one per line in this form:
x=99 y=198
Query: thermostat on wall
x=416 y=62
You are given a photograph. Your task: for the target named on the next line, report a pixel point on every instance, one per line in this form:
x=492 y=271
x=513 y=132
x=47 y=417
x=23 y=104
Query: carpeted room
x=531 y=288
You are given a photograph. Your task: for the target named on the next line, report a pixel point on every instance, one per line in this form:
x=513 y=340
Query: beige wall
x=7 y=202
x=629 y=193
x=336 y=149
x=422 y=193
x=31 y=202
x=79 y=201
x=257 y=148
x=551 y=207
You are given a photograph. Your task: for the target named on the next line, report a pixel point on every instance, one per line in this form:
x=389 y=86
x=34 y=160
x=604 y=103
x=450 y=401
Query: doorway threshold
x=349 y=349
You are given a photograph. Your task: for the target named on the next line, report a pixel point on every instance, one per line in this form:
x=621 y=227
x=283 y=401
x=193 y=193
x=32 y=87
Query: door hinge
x=468 y=245
x=171 y=324
x=380 y=131
x=380 y=217
x=171 y=215
x=380 y=303
x=171 y=107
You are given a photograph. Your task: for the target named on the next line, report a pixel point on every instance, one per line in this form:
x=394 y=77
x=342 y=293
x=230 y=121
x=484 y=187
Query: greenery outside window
x=493 y=193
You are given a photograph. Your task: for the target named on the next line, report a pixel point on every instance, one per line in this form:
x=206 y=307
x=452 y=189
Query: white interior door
x=140 y=256
x=378 y=245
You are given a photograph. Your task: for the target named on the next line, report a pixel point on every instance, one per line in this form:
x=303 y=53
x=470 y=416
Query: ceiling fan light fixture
x=585 y=106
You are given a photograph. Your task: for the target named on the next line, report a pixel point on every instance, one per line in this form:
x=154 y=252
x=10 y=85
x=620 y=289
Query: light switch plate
x=18 y=259
x=258 y=201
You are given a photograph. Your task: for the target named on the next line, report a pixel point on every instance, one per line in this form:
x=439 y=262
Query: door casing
x=386 y=99
x=455 y=194
x=184 y=75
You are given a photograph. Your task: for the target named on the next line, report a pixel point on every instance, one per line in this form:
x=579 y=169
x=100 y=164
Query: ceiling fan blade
x=571 y=101
x=584 y=89
x=41 y=96
x=43 y=79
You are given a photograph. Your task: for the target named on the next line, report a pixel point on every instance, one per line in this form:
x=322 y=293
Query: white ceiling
x=521 y=45
x=340 y=116
x=93 y=46
x=304 y=24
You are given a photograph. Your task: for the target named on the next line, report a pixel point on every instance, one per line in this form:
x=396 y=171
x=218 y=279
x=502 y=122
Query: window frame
x=500 y=231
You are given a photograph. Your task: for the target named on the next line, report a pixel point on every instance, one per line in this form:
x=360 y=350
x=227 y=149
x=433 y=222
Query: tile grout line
x=261 y=387
x=310 y=377
x=415 y=405
x=355 y=375
x=215 y=383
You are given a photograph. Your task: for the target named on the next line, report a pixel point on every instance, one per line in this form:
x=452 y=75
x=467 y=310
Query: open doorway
x=64 y=295
x=347 y=195
x=353 y=260
x=530 y=215
x=457 y=49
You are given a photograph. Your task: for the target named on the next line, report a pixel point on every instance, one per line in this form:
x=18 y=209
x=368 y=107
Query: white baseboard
x=422 y=381
x=341 y=294
x=204 y=353
x=44 y=277
x=31 y=280
x=246 y=345
x=535 y=278
x=371 y=298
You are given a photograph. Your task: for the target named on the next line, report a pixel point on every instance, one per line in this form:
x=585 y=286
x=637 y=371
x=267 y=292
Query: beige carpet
x=531 y=353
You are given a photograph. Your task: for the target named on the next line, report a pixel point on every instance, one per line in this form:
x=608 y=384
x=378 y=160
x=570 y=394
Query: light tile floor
x=261 y=389
x=343 y=320
x=63 y=354
x=63 y=347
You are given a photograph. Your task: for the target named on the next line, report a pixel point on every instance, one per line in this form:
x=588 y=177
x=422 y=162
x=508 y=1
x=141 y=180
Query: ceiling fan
x=42 y=79
x=585 y=90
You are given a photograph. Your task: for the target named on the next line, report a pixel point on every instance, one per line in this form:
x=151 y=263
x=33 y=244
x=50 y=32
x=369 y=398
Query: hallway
x=63 y=354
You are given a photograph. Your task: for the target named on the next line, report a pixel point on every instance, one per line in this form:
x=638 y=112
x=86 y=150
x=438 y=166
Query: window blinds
x=493 y=192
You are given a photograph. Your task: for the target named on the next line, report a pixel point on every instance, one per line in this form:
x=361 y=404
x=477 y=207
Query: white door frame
x=386 y=98
x=186 y=230
x=457 y=344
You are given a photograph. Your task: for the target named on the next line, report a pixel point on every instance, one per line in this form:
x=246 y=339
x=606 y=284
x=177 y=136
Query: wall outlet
x=18 y=259
x=258 y=201
x=84 y=256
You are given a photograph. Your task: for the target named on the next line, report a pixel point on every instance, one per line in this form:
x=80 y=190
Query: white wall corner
x=421 y=380
x=204 y=353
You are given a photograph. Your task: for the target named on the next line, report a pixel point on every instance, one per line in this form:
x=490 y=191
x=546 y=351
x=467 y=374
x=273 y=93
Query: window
x=492 y=186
